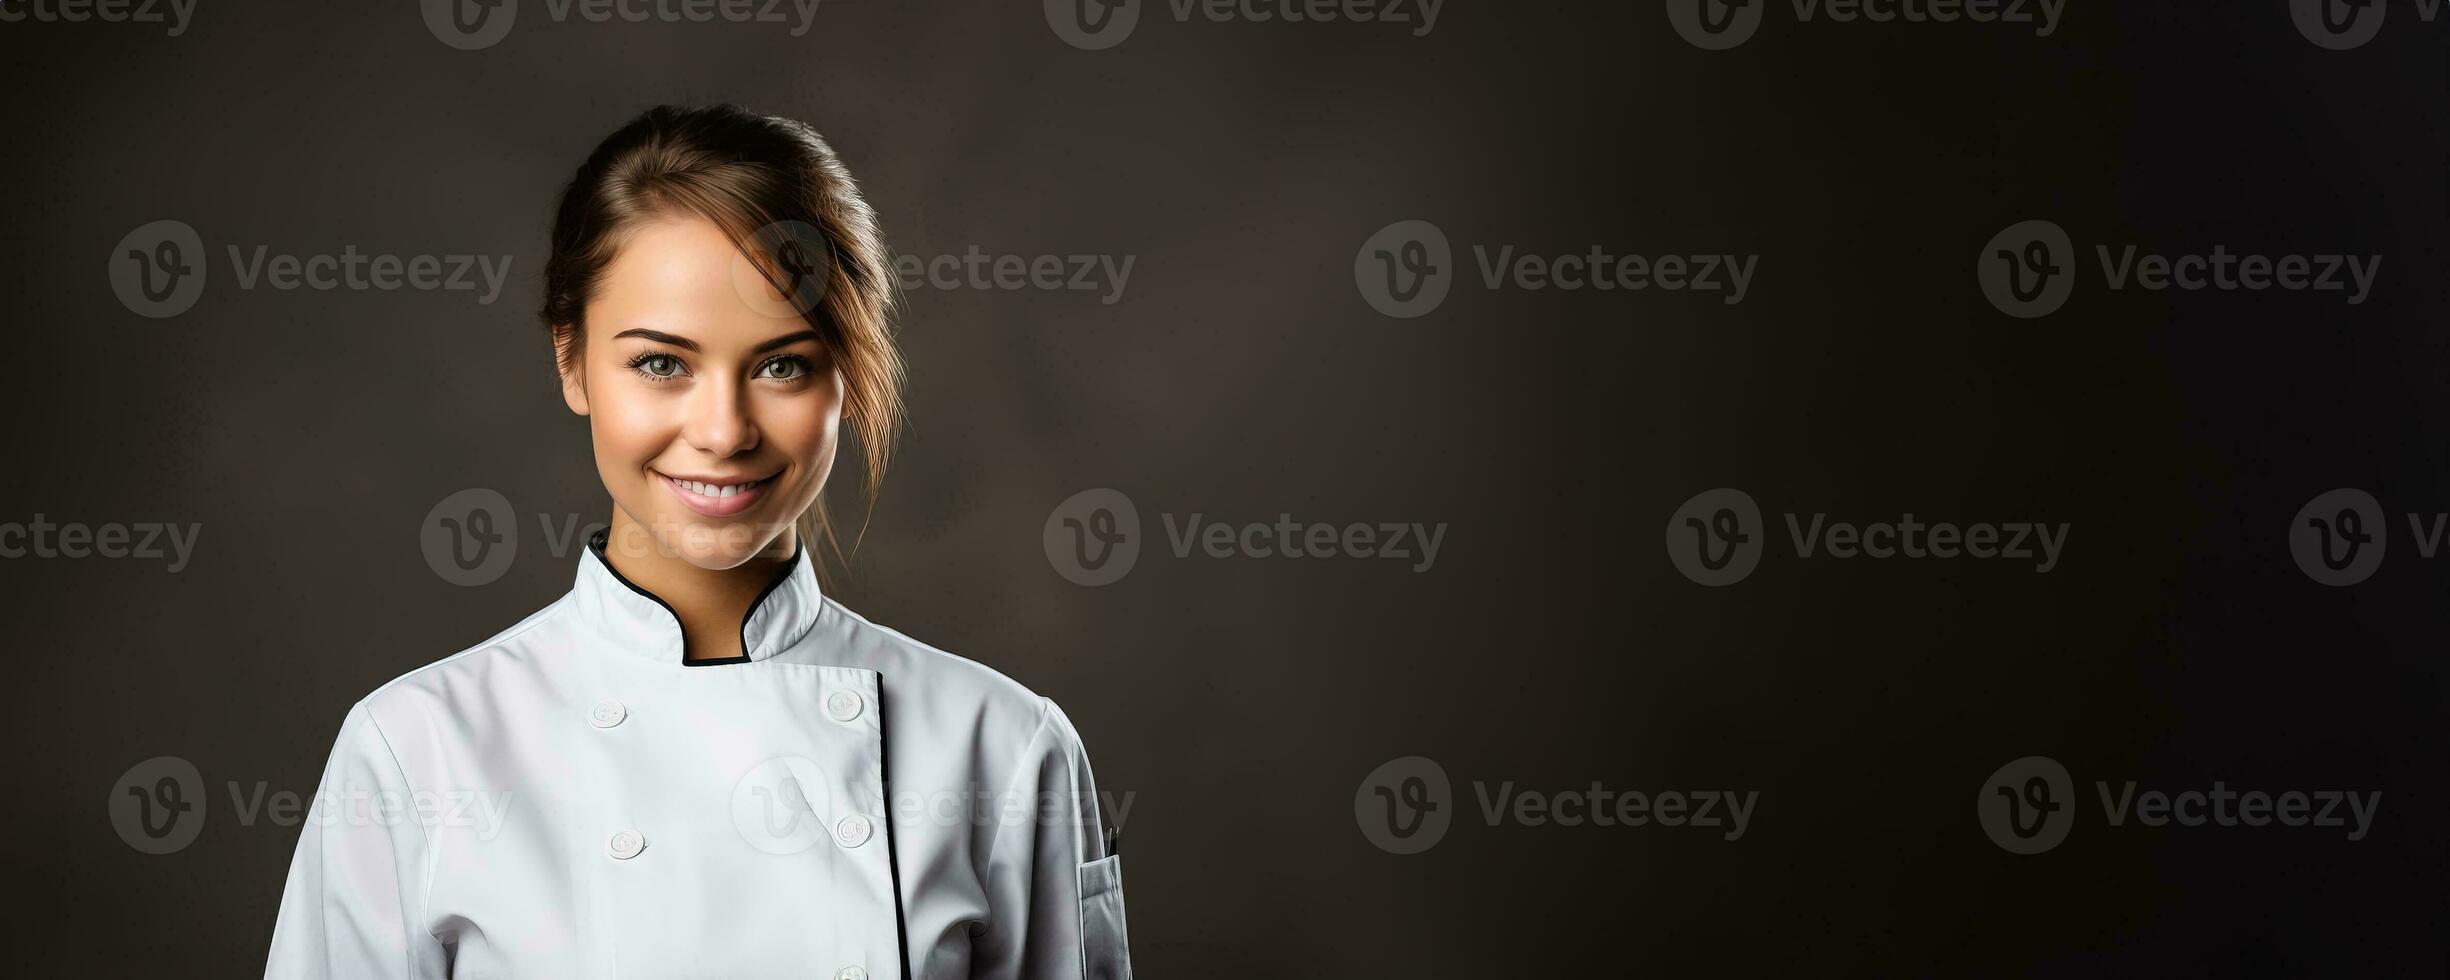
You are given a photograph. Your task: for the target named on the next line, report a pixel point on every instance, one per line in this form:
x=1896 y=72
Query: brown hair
x=749 y=174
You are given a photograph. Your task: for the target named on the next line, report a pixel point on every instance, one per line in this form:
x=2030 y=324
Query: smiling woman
x=695 y=745
x=714 y=423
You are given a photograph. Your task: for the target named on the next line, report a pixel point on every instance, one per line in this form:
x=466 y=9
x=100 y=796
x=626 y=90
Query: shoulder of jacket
x=943 y=675
x=475 y=655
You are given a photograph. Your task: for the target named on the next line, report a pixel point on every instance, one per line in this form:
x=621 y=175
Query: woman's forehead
x=683 y=276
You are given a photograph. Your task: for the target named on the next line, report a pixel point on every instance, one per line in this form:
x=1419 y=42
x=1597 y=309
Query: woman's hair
x=750 y=175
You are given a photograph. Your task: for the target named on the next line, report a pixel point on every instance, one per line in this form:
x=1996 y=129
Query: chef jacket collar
x=636 y=621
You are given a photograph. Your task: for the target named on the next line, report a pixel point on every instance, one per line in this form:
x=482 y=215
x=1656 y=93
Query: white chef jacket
x=571 y=798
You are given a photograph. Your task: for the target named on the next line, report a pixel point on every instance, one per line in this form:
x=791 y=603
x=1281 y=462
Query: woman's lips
x=717 y=501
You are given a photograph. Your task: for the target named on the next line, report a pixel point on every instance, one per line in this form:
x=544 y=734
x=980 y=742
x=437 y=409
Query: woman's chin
x=715 y=544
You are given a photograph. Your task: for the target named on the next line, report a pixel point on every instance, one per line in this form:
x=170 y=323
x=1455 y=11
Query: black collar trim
x=596 y=544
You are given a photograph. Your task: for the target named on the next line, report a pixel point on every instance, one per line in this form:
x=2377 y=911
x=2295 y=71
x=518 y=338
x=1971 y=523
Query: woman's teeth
x=713 y=490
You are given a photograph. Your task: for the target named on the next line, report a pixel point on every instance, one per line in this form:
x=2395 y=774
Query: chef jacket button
x=850 y=973
x=852 y=831
x=607 y=713
x=626 y=844
x=843 y=705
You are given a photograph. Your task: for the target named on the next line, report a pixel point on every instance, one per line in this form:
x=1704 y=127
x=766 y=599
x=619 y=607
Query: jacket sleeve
x=1054 y=894
x=351 y=908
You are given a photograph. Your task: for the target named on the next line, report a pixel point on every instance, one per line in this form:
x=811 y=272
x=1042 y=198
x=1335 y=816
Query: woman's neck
x=711 y=603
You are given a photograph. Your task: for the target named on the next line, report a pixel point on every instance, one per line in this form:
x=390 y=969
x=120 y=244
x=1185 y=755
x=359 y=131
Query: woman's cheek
x=805 y=429
x=805 y=421
x=629 y=428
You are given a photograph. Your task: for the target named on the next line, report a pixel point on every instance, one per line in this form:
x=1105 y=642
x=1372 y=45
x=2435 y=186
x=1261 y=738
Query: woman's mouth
x=716 y=497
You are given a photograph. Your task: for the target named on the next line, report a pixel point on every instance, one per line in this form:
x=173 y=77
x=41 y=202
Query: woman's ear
x=573 y=377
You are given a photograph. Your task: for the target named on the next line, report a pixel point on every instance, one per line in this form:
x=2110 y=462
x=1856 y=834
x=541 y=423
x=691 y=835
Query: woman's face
x=714 y=408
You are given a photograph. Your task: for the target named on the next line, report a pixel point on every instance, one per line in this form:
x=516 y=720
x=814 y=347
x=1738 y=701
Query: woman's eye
x=791 y=368
x=658 y=366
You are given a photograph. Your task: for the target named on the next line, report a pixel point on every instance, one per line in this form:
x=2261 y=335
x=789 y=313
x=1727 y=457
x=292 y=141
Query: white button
x=626 y=844
x=843 y=705
x=607 y=713
x=852 y=831
x=850 y=973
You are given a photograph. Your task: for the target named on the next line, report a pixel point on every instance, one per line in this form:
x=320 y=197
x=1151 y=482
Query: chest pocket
x=1105 y=947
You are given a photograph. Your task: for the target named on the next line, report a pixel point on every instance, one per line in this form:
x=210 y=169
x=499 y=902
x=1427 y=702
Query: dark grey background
x=1243 y=701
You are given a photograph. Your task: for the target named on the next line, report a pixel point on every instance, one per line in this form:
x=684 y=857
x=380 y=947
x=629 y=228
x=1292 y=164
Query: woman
x=695 y=764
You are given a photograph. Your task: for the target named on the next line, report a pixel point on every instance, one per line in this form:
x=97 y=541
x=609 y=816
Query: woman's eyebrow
x=785 y=340
x=658 y=336
x=685 y=343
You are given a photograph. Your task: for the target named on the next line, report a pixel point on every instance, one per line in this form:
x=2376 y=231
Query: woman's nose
x=719 y=423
